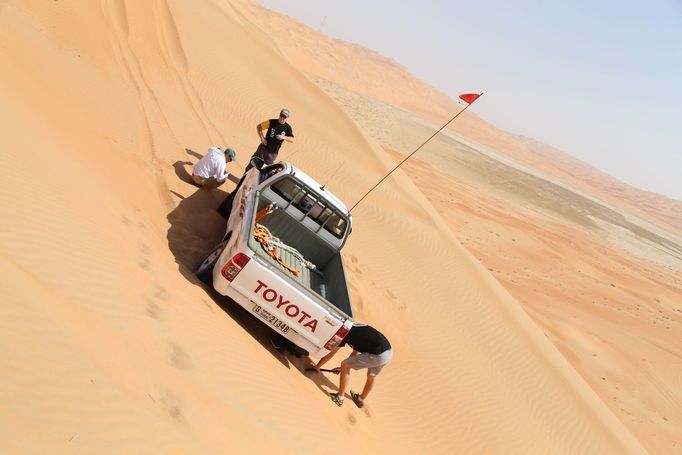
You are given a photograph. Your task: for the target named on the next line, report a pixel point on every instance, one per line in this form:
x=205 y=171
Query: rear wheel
x=204 y=271
x=225 y=207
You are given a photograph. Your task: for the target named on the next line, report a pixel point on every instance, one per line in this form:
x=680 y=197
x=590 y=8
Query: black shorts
x=265 y=155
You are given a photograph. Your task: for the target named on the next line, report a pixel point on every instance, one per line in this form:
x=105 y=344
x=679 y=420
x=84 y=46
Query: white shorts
x=373 y=362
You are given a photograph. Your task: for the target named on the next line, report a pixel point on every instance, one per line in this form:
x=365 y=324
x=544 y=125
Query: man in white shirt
x=209 y=172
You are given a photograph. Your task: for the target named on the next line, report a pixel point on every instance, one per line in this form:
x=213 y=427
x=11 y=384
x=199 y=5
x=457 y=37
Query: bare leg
x=368 y=387
x=344 y=375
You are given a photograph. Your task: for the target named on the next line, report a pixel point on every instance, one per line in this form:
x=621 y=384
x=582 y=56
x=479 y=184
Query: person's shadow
x=181 y=171
x=194 y=154
x=195 y=228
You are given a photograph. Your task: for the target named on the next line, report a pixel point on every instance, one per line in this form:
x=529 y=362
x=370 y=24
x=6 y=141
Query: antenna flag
x=469 y=97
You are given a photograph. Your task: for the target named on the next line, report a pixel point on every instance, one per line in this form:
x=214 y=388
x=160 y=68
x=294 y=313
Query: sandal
x=336 y=399
x=356 y=399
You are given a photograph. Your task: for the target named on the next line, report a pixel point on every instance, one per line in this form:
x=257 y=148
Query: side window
x=316 y=211
x=326 y=213
x=305 y=203
x=299 y=196
x=287 y=189
x=336 y=225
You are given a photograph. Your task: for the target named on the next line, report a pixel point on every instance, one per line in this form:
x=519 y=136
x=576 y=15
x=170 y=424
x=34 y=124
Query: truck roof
x=312 y=183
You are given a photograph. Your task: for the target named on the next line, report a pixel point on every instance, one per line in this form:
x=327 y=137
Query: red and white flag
x=469 y=97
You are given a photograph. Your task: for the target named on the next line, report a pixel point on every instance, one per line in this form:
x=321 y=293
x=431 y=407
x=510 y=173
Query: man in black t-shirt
x=272 y=133
x=371 y=350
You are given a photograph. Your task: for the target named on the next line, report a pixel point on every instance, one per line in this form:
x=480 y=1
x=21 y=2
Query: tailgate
x=280 y=298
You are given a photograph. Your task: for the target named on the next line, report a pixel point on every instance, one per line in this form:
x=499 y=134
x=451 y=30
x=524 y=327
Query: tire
x=225 y=207
x=204 y=271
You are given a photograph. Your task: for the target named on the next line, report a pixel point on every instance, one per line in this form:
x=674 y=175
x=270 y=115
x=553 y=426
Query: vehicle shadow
x=195 y=228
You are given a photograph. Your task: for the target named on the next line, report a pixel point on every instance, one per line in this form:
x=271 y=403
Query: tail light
x=338 y=337
x=235 y=265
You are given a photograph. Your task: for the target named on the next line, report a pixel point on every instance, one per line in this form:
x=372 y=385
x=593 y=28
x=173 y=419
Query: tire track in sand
x=148 y=104
x=175 y=58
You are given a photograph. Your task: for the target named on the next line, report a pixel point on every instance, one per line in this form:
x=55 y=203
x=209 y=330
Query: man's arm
x=259 y=129
x=284 y=137
x=220 y=173
x=287 y=135
x=326 y=358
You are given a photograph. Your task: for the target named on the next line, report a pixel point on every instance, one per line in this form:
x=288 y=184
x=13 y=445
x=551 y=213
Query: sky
x=600 y=80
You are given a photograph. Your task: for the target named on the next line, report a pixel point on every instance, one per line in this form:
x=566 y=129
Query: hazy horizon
x=598 y=81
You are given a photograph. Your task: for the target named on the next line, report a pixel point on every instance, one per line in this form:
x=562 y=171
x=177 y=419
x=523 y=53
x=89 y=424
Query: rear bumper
x=221 y=285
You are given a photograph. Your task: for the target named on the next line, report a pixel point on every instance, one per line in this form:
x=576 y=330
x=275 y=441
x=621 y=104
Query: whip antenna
x=468 y=98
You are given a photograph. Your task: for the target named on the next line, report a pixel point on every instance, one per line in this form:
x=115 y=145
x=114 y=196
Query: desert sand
x=110 y=344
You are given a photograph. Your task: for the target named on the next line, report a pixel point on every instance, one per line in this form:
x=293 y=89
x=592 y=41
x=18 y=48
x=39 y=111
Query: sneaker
x=336 y=399
x=356 y=399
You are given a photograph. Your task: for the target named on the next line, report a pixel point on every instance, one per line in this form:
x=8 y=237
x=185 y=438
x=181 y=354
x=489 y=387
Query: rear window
x=315 y=207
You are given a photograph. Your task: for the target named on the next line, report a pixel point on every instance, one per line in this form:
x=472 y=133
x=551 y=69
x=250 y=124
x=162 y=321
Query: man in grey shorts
x=371 y=350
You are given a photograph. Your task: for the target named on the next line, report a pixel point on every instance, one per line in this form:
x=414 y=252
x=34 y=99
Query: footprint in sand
x=389 y=294
x=173 y=407
x=161 y=293
x=143 y=261
x=353 y=267
x=179 y=358
x=358 y=302
x=153 y=310
x=144 y=249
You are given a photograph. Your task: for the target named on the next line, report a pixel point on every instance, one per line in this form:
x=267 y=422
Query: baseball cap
x=231 y=153
x=284 y=112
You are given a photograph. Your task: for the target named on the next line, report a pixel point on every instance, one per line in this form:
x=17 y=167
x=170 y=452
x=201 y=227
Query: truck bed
x=328 y=280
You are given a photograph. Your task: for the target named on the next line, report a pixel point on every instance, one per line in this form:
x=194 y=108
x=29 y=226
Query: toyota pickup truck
x=281 y=258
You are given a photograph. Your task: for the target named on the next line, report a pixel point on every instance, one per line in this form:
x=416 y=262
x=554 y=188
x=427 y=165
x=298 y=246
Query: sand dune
x=110 y=344
x=370 y=74
x=594 y=277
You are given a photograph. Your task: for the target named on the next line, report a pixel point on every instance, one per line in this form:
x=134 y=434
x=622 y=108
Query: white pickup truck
x=281 y=257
